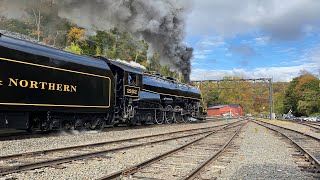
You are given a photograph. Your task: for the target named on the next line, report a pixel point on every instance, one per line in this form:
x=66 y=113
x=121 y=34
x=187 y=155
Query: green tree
x=74 y=48
x=303 y=95
x=154 y=63
x=278 y=99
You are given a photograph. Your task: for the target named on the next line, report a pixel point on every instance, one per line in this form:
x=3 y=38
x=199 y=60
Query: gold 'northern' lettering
x=59 y=87
x=1 y=83
x=23 y=83
x=13 y=81
x=66 y=88
x=43 y=85
x=52 y=86
x=34 y=85
x=73 y=88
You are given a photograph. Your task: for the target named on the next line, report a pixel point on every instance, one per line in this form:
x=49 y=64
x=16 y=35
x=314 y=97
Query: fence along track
x=208 y=147
x=54 y=161
x=306 y=144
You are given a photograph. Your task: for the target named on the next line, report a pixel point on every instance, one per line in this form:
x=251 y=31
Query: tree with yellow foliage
x=76 y=35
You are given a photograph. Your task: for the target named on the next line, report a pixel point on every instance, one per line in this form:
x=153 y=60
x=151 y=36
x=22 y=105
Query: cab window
x=132 y=79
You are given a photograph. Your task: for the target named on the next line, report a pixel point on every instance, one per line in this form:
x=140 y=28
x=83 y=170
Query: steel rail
x=307 y=154
x=313 y=137
x=305 y=123
x=101 y=143
x=314 y=124
x=311 y=125
x=193 y=174
x=46 y=163
x=157 y=158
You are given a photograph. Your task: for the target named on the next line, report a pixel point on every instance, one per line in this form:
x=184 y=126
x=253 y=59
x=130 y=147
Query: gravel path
x=294 y=126
x=263 y=155
x=27 y=145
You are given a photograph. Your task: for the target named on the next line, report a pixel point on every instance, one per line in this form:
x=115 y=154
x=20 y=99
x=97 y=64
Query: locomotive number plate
x=131 y=91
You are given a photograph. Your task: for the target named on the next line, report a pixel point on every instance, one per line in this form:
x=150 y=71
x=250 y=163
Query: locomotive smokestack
x=159 y=22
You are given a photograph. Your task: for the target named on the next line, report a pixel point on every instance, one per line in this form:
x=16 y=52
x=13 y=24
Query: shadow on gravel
x=269 y=171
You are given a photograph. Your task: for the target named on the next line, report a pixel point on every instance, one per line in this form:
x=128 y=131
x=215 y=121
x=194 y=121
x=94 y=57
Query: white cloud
x=280 y=20
x=310 y=61
x=312 y=55
x=214 y=41
x=205 y=46
x=200 y=56
x=244 y=50
x=263 y=40
x=283 y=74
x=202 y=51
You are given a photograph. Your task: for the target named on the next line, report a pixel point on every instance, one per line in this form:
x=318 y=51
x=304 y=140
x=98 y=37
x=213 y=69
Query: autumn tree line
x=301 y=95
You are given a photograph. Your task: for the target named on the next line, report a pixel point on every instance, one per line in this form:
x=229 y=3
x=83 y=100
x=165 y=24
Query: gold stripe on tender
x=50 y=67
x=52 y=105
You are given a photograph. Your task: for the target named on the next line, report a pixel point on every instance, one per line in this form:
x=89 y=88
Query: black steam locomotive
x=43 y=88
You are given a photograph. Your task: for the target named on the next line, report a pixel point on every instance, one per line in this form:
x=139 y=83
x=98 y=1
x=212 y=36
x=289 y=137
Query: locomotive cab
x=127 y=89
x=132 y=85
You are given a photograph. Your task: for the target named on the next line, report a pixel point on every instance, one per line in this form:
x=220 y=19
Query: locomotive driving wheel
x=169 y=114
x=178 y=117
x=159 y=116
x=32 y=126
x=77 y=124
x=65 y=126
x=99 y=124
x=87 y=125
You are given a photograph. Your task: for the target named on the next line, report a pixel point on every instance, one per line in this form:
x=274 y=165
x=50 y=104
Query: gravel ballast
x=28 y=145
x=94 y=168
x=258 y=153
x=263 y=155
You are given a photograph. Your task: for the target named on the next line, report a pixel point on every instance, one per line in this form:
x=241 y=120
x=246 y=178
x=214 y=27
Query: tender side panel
x=26 y=85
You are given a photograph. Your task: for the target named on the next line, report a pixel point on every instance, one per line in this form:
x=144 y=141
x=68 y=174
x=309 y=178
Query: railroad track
x=315 y=126
x=184 y=162
x=19 y=135
x=38 y=159
x=308 y=146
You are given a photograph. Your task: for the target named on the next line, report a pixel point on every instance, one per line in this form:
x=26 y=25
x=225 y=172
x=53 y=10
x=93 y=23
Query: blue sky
x=254 y=39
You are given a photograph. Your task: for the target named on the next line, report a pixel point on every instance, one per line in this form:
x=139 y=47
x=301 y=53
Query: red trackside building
x=225 y=109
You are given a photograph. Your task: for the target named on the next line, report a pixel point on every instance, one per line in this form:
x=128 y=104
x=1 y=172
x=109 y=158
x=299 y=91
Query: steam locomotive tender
x=42 y=88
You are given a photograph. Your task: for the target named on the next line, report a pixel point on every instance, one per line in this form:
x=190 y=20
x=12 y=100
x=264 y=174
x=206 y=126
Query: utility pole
x=271 y=98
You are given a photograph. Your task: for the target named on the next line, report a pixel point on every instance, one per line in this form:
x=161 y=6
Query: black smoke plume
x=159 y=22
